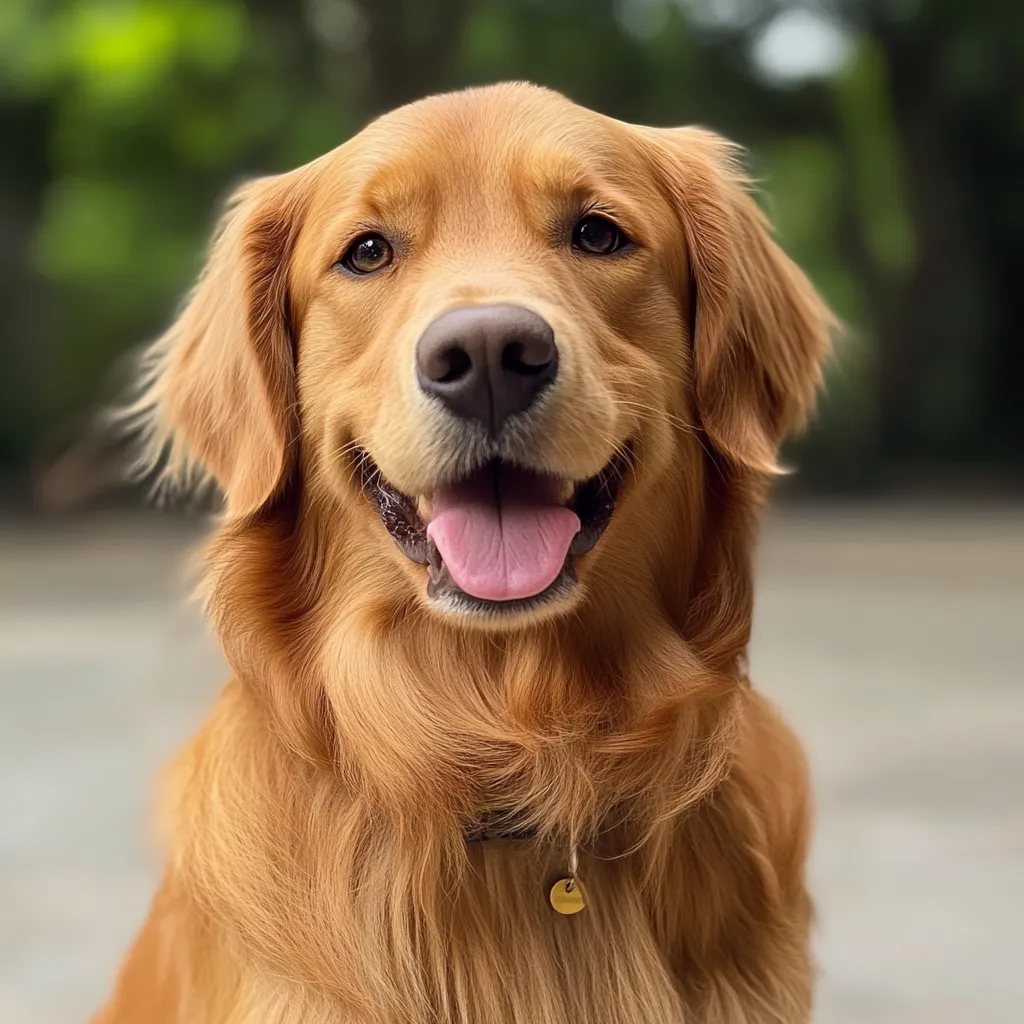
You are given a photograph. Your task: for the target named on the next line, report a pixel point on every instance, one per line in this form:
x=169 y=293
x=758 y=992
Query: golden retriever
x=493 y=393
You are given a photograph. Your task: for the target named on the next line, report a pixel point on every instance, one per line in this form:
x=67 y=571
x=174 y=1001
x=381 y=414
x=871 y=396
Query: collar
x=498 y=825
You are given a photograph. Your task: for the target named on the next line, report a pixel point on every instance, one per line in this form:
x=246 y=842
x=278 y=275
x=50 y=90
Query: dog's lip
x=397 y=511
x=593 y=500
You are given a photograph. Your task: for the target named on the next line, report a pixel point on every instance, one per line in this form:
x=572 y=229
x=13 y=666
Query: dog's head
x=504 y=337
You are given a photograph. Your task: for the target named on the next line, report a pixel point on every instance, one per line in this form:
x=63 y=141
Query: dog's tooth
x=434 y=559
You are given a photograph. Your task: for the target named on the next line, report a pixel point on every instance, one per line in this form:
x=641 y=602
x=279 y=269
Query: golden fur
x=317 y=869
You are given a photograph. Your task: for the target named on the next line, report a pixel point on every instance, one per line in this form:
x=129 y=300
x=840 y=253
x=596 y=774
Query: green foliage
x=125 y=122
x=862 y=97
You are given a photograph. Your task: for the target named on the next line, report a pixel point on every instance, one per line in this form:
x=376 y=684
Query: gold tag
x=567 y=896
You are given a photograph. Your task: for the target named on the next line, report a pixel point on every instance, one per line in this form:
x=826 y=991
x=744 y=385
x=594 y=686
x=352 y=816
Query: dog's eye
x=597 y=235
x=367 y=254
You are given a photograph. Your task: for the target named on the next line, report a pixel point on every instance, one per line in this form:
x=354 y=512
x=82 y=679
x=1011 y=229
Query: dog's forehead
x=496 y=136
x=488 y=119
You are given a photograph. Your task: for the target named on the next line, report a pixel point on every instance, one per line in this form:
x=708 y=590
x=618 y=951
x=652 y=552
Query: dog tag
x=567 y=896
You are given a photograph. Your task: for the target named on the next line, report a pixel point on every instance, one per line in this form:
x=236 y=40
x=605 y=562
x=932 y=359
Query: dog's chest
x=512 y=957
x=502 y=955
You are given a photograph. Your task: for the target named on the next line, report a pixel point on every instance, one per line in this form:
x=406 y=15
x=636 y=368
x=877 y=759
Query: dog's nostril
x=526 y=360
x=455 y=364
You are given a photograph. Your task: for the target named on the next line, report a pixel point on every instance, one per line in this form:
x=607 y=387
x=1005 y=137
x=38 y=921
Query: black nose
x=487 y=362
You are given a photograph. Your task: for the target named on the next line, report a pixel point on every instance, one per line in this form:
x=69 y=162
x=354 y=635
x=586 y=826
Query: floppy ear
x=218 y=387
x=760 y=330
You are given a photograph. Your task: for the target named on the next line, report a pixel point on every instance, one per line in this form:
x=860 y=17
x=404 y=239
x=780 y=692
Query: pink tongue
x=502 y=533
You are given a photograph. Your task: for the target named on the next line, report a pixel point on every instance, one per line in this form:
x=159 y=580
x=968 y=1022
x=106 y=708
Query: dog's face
x=494 y=327
x=491 y=323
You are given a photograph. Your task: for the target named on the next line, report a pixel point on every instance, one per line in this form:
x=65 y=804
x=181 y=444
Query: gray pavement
x=890 y=636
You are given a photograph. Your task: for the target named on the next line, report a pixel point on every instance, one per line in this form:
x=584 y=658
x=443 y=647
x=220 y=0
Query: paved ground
x=891 y=638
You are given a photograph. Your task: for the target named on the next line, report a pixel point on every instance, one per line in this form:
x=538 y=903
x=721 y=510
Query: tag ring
x=574 y=863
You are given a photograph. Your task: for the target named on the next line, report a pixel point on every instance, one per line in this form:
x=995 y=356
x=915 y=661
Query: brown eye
x=597 y=236
x=367 y=254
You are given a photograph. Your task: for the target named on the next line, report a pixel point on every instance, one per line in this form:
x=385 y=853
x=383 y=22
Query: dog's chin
x=541 y=523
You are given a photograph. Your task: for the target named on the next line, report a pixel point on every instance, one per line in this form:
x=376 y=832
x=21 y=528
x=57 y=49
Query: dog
x=492 y=394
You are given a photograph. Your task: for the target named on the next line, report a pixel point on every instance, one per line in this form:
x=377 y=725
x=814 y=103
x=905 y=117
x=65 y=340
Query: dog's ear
x=761 y=333
x=218 y=392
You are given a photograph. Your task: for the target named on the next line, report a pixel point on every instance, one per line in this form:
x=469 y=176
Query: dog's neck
x=563 y=722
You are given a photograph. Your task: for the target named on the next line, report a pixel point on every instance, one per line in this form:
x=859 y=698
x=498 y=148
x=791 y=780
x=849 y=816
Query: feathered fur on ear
x=217 y=401
x=761 y=333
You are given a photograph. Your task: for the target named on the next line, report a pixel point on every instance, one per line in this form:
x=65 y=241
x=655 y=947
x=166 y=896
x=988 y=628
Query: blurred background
x=888 y=136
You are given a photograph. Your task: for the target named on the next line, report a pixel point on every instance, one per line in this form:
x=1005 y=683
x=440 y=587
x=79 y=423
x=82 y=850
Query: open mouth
x=501 y=539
